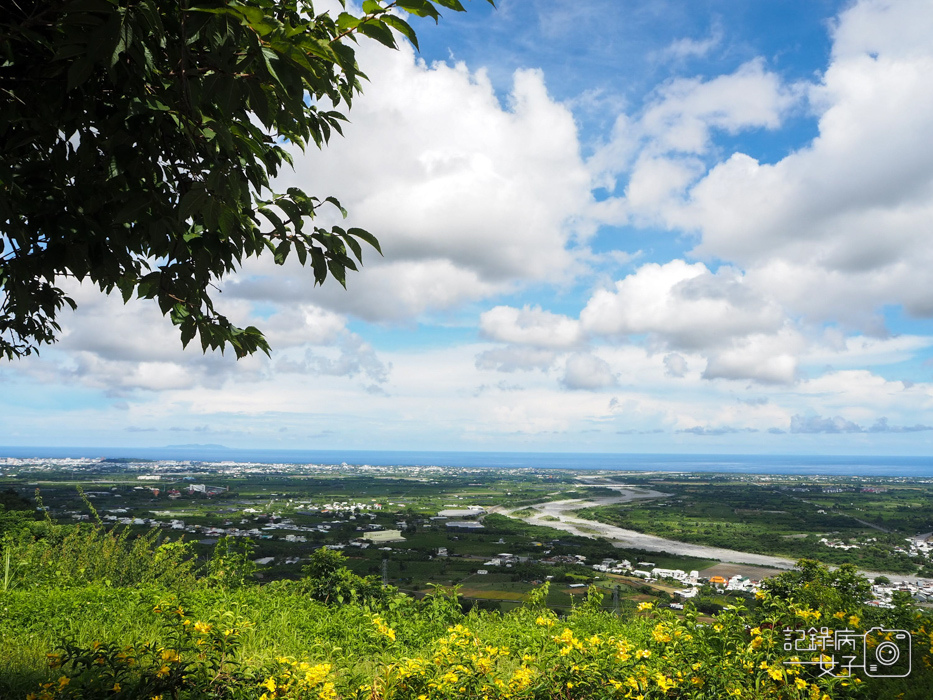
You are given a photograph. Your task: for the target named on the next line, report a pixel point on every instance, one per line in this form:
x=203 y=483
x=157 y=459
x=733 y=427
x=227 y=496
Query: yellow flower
x=269 y=683
x=202 y=627
x=839 y=614
x=383 y=628
x=642 y=653
x=756 y=631
x=163 y=672
x=116 y=688
x=63 y=681
x=854 y=620
x=664 y=683
x=645 y=606
x=800 y=683
x=759 y=595
x=775 y=673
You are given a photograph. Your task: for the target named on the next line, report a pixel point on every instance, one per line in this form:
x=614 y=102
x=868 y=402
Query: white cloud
x=770 y=359
x=121 y=348
x=587 y=371
x=684 y=305
x=675 y=365
x=687 y=109
x=836 y=350
x=660 y=149
x=840 y=228
x=467 y=197
x=692 y=48
x=529 y=326
x=512 y=359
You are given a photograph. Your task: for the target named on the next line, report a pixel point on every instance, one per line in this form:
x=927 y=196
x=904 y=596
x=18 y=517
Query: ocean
x=834 y=465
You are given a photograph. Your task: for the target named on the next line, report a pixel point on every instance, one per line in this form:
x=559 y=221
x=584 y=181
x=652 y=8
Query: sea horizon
x=785 y=464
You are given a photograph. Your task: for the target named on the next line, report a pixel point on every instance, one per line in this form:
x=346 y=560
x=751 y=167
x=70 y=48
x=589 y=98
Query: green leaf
x=292 y=210
x=403 y=28
x=338 y=272
x=193 y=202
x=281 y=252
x=375 y=29
x=79 y=72
x=268 y=56
x=346 y=22
x=355 y=247
x=141 y=132
x=366 y=236
x=318 y=265
x=419 y=8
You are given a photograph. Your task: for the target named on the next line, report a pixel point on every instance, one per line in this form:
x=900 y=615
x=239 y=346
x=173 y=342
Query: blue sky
x=608 y=226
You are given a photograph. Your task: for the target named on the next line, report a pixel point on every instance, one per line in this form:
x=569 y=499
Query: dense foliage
x=137 y=143
x=90 y=613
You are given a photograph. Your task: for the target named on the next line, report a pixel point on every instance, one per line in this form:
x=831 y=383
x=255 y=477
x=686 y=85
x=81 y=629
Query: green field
x=785 y=520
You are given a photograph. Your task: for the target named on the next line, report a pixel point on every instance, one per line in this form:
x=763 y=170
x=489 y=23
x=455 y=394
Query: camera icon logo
x=887 y=653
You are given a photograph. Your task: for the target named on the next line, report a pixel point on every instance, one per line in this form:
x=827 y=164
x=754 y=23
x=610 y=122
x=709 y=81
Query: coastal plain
x=498 y=532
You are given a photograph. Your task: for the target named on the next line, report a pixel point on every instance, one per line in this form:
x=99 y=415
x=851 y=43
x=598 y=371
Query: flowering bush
x=430 y=650
x=197 y=658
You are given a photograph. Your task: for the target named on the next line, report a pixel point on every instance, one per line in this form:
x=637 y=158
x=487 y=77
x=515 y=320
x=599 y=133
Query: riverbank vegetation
x=836 y=523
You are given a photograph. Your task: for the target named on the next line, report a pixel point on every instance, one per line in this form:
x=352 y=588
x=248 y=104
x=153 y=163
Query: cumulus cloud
x=839 y=228
x=725 y=430
x=686 y=110
x=769 y=359
x=587 y=371
x=529 y=325
x=677 y=126
x=833 y=232
x=881 y=426
x=819 y=424
x=123 y=348
x=511 y=359
x=355 y=357
x=675 y=365
x=685 y=305
x=467 y=196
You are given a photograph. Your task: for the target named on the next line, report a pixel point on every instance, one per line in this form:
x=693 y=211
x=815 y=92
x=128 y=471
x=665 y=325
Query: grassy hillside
x=87 y=613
